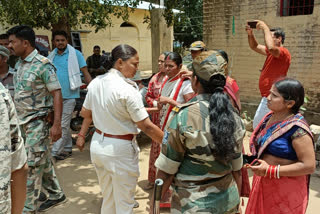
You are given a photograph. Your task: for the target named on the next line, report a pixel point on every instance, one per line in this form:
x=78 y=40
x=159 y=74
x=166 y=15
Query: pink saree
x=287 y=195
x=278 y=196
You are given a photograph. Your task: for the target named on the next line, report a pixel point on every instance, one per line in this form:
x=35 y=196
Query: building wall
x=138 y=36
x=302 y=40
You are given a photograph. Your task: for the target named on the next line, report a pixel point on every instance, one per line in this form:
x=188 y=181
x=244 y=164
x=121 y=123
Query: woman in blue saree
x=283 y=144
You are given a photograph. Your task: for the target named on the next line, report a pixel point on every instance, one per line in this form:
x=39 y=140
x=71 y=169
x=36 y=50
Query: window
x=296 y=7
x=76 y=41
x=126 y=24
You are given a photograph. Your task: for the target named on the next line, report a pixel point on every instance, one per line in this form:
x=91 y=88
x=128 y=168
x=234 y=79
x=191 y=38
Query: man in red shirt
x=276 y=65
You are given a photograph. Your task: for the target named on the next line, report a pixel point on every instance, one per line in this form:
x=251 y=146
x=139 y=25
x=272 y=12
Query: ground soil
x=79 y=182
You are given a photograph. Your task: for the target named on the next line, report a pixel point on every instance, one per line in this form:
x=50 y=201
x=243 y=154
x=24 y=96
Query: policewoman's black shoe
x=51 y=203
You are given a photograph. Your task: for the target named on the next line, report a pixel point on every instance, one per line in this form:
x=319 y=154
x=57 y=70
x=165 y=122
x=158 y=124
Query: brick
x=302 y=40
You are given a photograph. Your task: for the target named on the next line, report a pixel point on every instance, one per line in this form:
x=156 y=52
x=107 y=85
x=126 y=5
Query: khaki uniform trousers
x=117 y=165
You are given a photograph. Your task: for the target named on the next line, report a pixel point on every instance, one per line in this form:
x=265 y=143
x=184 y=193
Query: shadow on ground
x=315 y=185
x=78 y=179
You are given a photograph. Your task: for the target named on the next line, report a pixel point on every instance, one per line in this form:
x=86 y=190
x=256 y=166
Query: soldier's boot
x=51 y=203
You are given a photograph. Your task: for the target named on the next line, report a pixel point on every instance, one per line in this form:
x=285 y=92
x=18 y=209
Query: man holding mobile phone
x=276 y=65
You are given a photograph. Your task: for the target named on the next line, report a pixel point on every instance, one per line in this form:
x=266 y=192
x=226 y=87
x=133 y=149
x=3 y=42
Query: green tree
x=188 y=25
x=65 y=14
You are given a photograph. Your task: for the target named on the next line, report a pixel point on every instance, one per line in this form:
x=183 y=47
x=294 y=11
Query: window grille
x=296 y=7
x=76 y=40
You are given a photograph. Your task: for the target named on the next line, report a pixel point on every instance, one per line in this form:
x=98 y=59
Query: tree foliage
x=188 y=23
x=67 y=14
x=51 y=14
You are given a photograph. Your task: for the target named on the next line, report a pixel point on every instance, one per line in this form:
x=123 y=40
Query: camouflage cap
x=4 y=51
x=208 y=64
x=197 y=46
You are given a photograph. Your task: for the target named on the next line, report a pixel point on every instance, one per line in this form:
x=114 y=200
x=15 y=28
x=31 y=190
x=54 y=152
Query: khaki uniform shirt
x=12 y=151
x=35 y=78
x=116 y=104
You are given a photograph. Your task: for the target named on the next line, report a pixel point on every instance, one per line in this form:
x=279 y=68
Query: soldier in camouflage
x=6 y=72
x=36 y=93
x=201 y=150
x=13 y=164
x=196 y=48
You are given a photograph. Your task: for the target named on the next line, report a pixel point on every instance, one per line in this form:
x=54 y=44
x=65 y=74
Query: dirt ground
x=78 y=179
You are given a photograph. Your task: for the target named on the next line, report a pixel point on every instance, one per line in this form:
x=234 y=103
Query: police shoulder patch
x=176 y=109
x=44 y=60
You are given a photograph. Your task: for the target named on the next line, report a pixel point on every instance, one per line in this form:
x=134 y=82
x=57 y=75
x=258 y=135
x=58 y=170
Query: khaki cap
x=4 y=51
x=197 y=46
x=208 y=64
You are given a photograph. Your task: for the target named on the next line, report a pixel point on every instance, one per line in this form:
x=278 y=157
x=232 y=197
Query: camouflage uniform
x=195 y=46
x=202 y=184
x=7 y=81
x=35 y=78
x=12 y=152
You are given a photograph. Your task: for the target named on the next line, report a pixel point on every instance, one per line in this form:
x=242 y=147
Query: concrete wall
x=161 y=37
x=138 y=36
x=302 y=40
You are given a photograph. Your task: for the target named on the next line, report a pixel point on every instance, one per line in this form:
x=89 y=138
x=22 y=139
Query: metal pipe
x=157 y=195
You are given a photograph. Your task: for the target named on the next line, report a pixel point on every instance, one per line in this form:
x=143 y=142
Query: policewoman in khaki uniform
x=115 y=105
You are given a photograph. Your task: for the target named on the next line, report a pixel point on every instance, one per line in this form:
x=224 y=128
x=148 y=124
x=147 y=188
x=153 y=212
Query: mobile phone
x=252 y=24
x=255 y=162
x=248 y=159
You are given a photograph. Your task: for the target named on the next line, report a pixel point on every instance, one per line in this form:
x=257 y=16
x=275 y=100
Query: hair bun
x=218 y=89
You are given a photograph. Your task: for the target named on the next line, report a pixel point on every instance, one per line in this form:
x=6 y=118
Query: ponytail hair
x=222 y=121
x=123 y=52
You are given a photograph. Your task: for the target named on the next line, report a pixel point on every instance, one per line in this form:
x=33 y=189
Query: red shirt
x=233 y=84
x=232 y=88
x=273 y=69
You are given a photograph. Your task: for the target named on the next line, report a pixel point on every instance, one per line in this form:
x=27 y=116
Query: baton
x=157 y=195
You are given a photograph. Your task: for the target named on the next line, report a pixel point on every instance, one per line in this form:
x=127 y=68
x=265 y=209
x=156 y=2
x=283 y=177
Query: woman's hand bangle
x=81 y=135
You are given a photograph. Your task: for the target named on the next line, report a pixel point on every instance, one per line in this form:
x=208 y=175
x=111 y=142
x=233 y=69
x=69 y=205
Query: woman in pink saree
x=152 y=96
x=284 y=148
